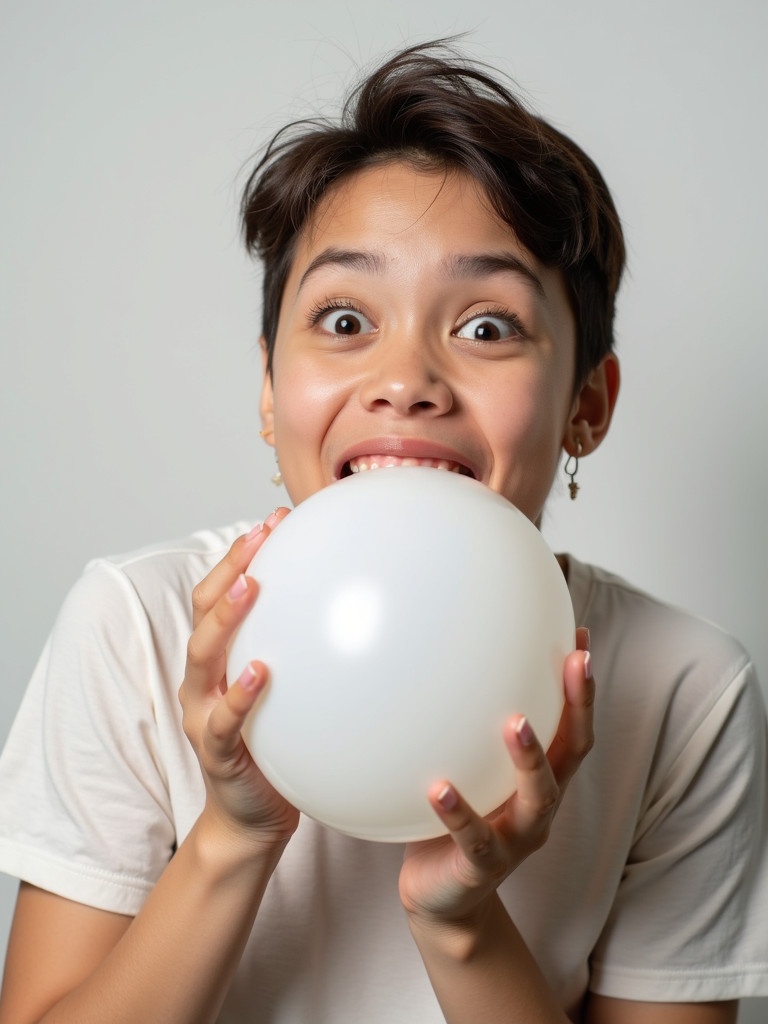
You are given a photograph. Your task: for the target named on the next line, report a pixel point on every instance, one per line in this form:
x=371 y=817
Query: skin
x=392 y=250
x=475 y=366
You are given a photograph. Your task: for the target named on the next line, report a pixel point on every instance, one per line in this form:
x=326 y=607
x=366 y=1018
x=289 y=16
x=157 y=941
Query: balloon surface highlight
x=404 y=614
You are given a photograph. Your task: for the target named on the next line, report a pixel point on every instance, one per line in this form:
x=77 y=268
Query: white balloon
x=404 y=615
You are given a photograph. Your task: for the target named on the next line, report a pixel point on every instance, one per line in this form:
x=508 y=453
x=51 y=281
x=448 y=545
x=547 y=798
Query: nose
x=405 y=378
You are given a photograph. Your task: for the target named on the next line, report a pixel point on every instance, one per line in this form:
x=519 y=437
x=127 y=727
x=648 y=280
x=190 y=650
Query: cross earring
x=571 y=468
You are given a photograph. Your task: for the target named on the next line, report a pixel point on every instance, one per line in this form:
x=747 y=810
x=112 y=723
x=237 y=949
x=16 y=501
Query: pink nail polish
x=525 y=732
x=255 y=531
x=447 y=798
x=271 y=521
x=238 y=588
x=587 y=665
x=248 y=678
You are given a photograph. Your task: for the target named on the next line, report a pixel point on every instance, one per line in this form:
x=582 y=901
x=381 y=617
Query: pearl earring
x=277 y=477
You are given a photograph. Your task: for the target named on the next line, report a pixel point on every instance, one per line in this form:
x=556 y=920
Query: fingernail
x=248 y=678
x=587 y=665
x=255 y=531
x=272 y=520
x=238 y=588
x=587 y=638
x=525 y=732
x=447 y=798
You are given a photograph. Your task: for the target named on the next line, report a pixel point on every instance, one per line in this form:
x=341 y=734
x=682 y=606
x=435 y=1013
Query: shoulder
x=153 y=576
x=135 y=608
x=637 y=628
x=668 y=680
x=182 y=559
x=678 y=778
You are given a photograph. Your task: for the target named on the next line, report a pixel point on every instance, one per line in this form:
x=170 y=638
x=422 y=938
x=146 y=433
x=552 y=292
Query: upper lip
x=405 y=447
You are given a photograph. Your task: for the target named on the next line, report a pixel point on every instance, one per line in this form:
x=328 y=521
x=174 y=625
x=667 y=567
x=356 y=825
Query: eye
x=487 y=327
x=344 y=321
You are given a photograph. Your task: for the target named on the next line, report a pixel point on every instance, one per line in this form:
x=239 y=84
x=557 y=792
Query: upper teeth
x=364 y=462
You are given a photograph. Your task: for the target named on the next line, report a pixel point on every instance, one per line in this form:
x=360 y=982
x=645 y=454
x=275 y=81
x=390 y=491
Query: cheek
x=306 y=403
x=524 y=424
x=526 y=417
x=301 y=397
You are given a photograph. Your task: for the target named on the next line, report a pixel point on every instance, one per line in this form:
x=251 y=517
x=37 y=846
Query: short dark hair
x=430 y=106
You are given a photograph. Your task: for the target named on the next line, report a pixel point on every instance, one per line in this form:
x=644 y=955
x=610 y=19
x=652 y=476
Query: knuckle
x=542 y=808
x=216 y=732
x=188 y=730
x=195 y=650
x=199 y=598
x=487 y=854
x=234 y=556
x=186 y=726
x=546 y=808
x=481 y=848
x=541 y=825
x=585 y=746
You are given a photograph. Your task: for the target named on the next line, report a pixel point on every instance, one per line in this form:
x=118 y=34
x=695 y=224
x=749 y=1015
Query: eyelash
x=326 y=306
x=498 y=313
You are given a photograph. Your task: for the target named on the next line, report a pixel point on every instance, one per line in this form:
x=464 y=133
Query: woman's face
x=414 y=327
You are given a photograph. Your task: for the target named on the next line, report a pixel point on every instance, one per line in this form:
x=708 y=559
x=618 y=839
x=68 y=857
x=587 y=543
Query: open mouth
x=364 y=463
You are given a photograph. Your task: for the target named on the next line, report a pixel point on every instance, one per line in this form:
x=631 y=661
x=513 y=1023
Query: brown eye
x=345 y=322
x=487 y=328
x=487 y=331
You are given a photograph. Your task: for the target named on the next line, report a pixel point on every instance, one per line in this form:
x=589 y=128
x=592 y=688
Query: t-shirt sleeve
x=84 y=805
x=688 y=921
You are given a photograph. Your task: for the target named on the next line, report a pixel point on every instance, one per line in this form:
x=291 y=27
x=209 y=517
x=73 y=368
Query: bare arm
x=490 y=975
x=478 y=963
x=604 y=1010
x=476 y=959
x=173 y=963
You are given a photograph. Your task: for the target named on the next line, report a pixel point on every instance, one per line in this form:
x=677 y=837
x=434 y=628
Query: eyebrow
x=455 y=267
x=354 y=259
x=482 y=264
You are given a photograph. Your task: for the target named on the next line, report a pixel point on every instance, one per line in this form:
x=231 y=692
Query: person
x=440 y=274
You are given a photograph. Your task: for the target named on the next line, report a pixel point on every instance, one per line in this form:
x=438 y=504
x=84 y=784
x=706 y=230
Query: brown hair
x=429 y=106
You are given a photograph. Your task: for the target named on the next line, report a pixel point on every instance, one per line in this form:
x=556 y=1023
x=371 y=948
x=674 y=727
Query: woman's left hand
x=449 y=879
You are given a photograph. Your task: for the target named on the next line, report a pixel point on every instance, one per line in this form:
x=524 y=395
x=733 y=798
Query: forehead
x=398 y=203
x=418 y=228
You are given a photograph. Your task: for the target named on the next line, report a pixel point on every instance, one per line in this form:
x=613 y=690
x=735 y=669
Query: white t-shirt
x=653 y=884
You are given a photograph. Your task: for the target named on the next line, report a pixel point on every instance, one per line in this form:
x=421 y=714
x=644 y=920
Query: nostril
x=407 y=391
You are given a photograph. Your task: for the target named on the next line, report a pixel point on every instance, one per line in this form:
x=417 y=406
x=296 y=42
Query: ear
x=267 y=403
x=592 y=409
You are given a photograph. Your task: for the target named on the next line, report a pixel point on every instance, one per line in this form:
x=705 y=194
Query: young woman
x=440 y=276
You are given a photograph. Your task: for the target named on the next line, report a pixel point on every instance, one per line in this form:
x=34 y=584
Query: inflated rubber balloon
x=404 y=615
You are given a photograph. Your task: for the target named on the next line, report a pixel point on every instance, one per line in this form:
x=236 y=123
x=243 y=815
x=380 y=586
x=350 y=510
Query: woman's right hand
x=238 y=795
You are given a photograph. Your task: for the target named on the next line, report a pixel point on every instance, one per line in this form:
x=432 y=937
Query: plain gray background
x=129 y=315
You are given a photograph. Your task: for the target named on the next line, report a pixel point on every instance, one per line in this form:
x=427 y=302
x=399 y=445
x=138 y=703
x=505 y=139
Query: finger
x=473 y=834
x=235 y=562
x=575 y=732
x=228 y=716
x=530 y=810
x=224 y=573
x=207 y=646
